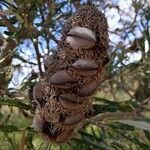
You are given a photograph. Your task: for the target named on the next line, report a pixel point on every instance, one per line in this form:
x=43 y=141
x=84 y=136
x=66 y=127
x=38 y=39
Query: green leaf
x=8 y=33
x=13 y=20
x=8 y=128
x=2 y=24
x=103 y=134
x=104 y=108
x=121 y=126
x=29 y=140
x=99 y=145
x=137 y=124
x=90 y=136
x=14 y=102
x=38 y=24
x=106 y=101
x=1 y=115
x=118 y=145
x=147 y=134
x=125 y=107
x=142 y=145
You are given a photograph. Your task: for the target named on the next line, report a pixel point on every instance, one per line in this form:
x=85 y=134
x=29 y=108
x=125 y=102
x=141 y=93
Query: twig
x=38 y=56
x=113 y=116
x=23 y=141
x=118 y=115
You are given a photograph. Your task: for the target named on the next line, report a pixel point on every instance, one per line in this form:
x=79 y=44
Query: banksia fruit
x=82 y=38
x=72 y=76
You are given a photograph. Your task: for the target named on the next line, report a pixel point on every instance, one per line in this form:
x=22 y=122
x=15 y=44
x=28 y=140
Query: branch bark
x=38 y=56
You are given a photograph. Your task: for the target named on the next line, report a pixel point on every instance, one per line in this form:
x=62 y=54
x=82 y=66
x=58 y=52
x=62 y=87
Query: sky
x=113 y=22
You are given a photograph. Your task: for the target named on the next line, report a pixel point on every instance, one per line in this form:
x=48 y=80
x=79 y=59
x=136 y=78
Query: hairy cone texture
x=72 y=76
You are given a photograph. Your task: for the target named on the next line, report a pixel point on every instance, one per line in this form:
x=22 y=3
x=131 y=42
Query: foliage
x=30 y=30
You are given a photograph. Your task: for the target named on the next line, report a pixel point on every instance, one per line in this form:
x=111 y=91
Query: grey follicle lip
x=81 y=38
x=69 y=101
x=82 y=32
x=49 y=60
x=68 y=105
x=70 y=97
x=38 y=123
x=85 y=64
x=60 y=78
x=63 y=80
x=64 y=136
x=74 y=119
x=88 y=89
x=38 y=94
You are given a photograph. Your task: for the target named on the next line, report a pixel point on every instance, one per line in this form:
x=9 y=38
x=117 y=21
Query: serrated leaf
x=2 y=24
x=14 y=102
x=90 y=136
x=104 y=108
x=118 y=145
x=38 y=24
x=137 y=124
x=8 y=33
x=147 y=134
x=106 y=101
x=1 y=115
x=13 y=20
x=19 y=18
x=125 y=107
x=29 y=140
x=118 y=125
x=8 y=128
x=99 y=145
x=142 y=145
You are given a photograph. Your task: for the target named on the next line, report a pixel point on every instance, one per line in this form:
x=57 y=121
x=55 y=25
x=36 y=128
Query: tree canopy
x=31 y=29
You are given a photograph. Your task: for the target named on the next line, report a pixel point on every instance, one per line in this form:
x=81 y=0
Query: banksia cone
x=72 y=76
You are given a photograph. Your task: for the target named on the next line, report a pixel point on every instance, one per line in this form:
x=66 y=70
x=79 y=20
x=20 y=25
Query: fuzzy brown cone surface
x=72 y=76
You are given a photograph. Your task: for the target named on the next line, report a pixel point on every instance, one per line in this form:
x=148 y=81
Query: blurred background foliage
x=30 y=30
